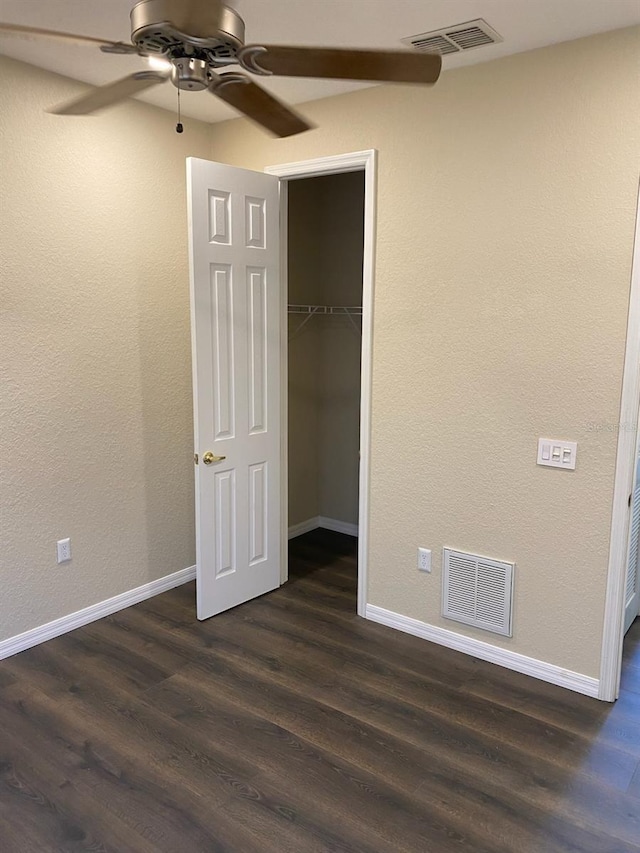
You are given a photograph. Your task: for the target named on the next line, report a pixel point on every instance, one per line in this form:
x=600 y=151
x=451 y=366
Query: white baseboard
x=485 y=651
x=323 y=521
x=303 y=527
x=96 y=611
x=338 y=526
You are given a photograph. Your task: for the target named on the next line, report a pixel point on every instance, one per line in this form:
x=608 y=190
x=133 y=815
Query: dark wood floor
x=288 y=725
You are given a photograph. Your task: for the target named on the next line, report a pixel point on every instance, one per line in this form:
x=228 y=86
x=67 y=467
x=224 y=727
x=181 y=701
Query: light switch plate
x=555 y=453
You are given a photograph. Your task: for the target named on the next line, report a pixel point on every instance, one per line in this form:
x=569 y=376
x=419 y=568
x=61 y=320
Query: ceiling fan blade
x=257 y=104
x=393 y=66
x=105 y=96
x=37 y=32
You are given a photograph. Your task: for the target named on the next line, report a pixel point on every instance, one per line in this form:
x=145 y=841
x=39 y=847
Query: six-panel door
x=235 y=312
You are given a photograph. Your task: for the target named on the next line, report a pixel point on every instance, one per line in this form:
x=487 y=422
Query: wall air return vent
x=455 y=39
x=477 y=591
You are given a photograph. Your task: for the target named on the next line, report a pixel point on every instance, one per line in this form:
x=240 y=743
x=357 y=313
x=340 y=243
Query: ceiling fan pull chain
x=179 y=127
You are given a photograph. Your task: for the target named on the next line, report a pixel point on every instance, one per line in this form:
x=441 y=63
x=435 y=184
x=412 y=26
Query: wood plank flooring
x=289 y=725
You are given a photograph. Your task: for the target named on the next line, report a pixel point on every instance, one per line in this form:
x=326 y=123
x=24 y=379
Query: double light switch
x=557 y=454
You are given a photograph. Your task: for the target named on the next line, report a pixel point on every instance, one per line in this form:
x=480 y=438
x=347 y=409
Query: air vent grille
x=455 y=39
x=632 y=571
x=434 y=44
x=477 y=591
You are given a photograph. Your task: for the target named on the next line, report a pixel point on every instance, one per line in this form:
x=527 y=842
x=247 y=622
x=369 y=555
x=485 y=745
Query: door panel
x=258 y=338
x=221 y=302
x=235 y=311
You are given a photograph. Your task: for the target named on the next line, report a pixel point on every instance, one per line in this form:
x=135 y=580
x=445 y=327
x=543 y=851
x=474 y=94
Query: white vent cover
x=477 y=591
x=455 y=39
x=634 y=537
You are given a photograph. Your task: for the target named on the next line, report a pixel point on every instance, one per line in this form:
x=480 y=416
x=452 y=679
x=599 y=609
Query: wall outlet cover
x=424 y=560
x=63 y=548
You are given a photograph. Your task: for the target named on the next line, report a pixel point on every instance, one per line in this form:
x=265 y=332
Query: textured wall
x=506 y=210
x=304 y=355
x=96 y=433
x=339 y=414
x=325 y=268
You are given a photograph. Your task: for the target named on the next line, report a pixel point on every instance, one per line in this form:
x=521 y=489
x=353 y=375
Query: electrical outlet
x=64 y=550
x=424 y=559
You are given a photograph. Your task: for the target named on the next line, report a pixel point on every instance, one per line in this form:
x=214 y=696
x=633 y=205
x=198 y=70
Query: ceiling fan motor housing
x=157 y=26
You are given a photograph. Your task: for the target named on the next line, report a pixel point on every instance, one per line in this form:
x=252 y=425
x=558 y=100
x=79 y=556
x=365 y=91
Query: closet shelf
x=311 y=311
x=326 y=309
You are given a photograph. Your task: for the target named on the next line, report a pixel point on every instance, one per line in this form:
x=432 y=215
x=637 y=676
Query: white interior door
x=235 y=328
x=632 y=586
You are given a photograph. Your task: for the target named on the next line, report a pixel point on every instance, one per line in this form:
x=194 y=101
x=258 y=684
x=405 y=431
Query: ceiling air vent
x=455 y=39
x=477 y=591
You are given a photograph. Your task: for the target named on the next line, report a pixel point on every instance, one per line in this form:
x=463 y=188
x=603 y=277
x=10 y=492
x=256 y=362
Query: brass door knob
x=209 y=458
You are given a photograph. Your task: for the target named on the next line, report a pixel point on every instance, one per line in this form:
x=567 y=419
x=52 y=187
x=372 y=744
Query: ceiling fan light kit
x=201 y=38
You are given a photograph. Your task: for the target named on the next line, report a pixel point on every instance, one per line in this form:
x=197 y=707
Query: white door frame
x=355 y=162
x=612 y=636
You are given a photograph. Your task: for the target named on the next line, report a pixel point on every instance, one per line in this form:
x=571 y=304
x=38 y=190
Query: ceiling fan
x=193 y=40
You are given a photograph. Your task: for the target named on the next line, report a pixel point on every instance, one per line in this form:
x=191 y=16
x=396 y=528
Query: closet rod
x=335 y=310
x=325 y=309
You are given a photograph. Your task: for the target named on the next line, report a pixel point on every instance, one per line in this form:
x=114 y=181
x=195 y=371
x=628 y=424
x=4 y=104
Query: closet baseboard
x=322 y=521
x=303 y=527
x=338 y=526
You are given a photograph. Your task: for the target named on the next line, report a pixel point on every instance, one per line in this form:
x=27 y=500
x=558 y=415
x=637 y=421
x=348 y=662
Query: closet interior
x=325 y=256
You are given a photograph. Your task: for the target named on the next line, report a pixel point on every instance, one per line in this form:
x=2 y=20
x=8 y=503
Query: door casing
x=365 y=161
x=612 y=635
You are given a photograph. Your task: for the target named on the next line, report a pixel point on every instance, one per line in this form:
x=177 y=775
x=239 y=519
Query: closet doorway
x=328 y=235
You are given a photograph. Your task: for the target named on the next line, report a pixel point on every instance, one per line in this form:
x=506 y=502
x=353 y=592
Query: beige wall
x=506 y=209
x=505 y=217
x=304 y=356
x=325 y=268
x=96 y=434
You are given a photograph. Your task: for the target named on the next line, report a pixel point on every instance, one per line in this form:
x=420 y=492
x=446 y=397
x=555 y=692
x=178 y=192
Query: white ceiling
x=524 y=25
